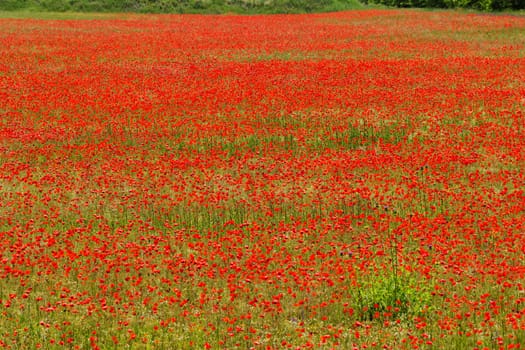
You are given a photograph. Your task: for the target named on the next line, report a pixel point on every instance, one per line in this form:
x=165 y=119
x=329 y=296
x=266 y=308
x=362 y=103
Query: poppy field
x=348 y=180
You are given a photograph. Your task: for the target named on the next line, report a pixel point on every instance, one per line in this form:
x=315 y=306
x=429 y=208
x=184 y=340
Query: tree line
x=483 y=5
x=183 y=6
x=245 y=6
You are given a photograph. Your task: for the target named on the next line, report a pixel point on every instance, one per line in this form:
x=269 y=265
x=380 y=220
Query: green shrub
x=390 y=296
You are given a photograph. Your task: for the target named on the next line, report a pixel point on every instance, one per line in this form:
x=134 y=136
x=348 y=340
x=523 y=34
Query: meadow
x=348 y=180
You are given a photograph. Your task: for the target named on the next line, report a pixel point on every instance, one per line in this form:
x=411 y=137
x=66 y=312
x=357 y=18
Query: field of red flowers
x=344 y=180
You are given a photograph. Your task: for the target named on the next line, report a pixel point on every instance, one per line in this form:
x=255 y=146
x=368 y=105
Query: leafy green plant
x=390 y=297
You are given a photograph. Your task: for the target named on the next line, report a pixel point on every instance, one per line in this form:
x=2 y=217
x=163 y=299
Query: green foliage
x=11 y=5
x=244 y=6
x=390 y=297
x=183 y=6
x=484 y=5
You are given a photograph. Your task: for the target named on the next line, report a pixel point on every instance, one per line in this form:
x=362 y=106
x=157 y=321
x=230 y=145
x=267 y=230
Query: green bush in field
x=390 y=297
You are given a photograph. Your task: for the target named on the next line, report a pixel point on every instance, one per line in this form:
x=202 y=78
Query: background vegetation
x=183 y=6
x=244 y=6
x=484 y=5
